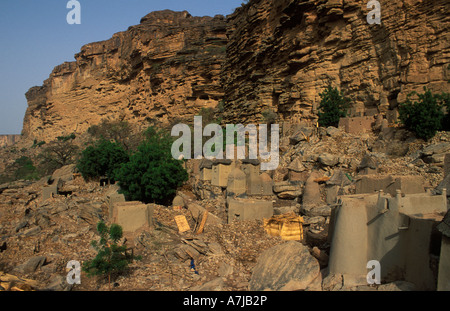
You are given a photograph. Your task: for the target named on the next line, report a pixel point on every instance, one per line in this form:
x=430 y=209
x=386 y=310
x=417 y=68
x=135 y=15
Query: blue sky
x=35 y=37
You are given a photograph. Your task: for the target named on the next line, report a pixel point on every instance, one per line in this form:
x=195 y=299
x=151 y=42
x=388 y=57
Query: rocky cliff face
x=268 y=55
x=165 y=68
x=8 y=140
x=283 y=53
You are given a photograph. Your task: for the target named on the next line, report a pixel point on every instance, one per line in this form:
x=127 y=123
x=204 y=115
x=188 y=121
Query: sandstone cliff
x=8 y=140
x=166 y=67
x=283 y=53
x=268 y=55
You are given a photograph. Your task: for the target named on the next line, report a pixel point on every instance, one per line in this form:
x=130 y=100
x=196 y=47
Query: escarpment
x=283 y=54
x=267 y=56
x=165 y=68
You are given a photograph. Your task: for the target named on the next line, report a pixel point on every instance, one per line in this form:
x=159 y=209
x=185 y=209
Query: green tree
x=333 y=106
x=102 y=160
x=425 y=116
x=112 y=258
x=152 y=175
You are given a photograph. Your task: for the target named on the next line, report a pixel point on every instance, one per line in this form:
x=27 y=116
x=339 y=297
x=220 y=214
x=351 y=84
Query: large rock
x=32 y=264
x=297 y=165
x=288 y=190
x=58 y=283
x=441 y=148
x=178 y=202
x=64 y=173
x=283 y=186
x=301 y=135
x=368 y=164
x=327 y=159
x=288 y=266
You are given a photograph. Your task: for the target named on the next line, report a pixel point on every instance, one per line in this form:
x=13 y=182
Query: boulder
x=287 y=190
x=283 y=186
x=327 y=159
x=436 y=149
x=435 y=154
x=333 y=282
x=287 y=266
x=289 y=195
x=64 y=173
x=321 y=256
x=333 y=131
x=297 y=165
x=178 y=201
x=32 y=264
x=301 y=135
x=58 y=283
x=368 y=162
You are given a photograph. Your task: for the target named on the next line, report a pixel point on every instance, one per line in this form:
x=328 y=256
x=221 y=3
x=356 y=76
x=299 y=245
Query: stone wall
x=396 y=231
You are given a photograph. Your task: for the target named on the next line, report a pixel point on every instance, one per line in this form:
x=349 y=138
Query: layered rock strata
x=166 y=68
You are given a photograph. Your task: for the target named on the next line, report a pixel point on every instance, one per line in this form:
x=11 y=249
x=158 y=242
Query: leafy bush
x=426 y=116
x=152 y=175
x=332 y=107
x=111 y=257
x=269 y=116
x=25 y=169
x=102 y=160
x=66 y=138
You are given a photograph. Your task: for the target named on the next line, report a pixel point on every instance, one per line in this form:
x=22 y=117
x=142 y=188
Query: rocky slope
x=39 y=236
x=166 y=67
x=282 y=54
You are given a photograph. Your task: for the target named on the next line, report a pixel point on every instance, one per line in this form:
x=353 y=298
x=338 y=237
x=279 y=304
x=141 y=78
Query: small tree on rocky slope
x=111 y=257
x=425 y=116
x=332 y=107
x=57 y=154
